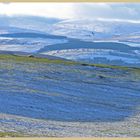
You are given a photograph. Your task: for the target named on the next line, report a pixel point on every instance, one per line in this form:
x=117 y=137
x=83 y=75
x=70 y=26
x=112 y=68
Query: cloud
x=58 y=10
x=121 y=11
x=109 y=10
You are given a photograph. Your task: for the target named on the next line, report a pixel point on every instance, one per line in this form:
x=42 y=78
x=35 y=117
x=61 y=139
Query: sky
x=118 y=11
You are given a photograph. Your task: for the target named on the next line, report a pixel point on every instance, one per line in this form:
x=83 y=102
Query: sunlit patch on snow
x=27 y=45
x=93 y=54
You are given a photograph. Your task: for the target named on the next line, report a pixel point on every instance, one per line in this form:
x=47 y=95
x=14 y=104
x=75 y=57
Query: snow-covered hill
x=27 y=33
x=96 y=30
x=89 y=40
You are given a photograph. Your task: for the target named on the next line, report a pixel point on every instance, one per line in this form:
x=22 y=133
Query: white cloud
x=122 y=11
x=110 y=10
x=59 y=10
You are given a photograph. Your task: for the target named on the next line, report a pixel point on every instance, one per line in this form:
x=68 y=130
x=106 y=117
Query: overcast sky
x=122 y=11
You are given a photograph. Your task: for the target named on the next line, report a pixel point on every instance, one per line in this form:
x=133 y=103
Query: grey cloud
x=129 y=11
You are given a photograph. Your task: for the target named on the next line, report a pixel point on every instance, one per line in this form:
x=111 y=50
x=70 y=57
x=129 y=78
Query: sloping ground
x=111 y=53
x=52 y=97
